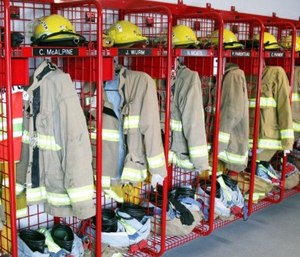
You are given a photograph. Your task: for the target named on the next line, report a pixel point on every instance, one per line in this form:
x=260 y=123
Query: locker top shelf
x=27 y=52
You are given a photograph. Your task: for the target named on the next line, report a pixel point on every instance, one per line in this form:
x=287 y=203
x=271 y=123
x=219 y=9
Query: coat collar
x=231 y=66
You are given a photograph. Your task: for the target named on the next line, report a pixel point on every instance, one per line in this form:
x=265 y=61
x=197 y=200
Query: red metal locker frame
x=8 y=58
x=166 y=11
x=156 y=247
x=26 y=52
x=289 y=68
x=216 y=17
x=236 y=18
x=212 y=224
x=271 y=21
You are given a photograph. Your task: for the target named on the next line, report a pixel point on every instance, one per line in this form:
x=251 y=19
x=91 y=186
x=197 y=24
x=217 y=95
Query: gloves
x=16 y=38
x=186 y=217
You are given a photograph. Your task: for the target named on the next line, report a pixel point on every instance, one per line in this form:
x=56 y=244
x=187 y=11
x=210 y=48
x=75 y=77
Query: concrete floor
x=271 y=232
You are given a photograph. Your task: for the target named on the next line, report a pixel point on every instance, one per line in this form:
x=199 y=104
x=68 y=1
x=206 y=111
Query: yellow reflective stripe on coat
x=295 y=97
x=26 y=137
x=21 y=213
x=47 y=143
x=296 y=126
x=224 y=137
x=110 y=135
x=135 y=175
x=19 y=188
x=156 y=161
x=186 y=164
x=80 y=194
x=17 y=128
x=272 y=144
x=58 y=199
x=44 y=142
x=255 y=197
x=198 y=151
x=131 y=122
x=176 y=125
x=5 y=182
x=93 y=135
x=36 y=194
x=233 y=158
x=287 y=133
x=87 y=100
x=264 y=102
x=105 y=181
x=252 y=102
x=117 y=255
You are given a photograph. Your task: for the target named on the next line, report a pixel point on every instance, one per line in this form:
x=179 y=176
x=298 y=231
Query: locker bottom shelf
x=199 y=231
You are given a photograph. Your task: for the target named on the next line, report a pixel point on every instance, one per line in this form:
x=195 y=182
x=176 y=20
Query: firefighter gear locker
x=181 y=151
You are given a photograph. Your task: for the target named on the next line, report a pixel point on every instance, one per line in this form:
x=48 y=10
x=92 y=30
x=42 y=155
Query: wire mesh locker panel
x=279 y=54
x=82 y=20
x=140 y=36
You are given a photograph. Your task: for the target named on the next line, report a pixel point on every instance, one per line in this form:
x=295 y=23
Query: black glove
x=186 y=217
x=16 y=38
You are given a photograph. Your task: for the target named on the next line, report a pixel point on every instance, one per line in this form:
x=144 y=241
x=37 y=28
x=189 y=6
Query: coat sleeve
x=193 y=123
x=150 y=129
x=232 y=102
x=284 y=111
x=77 y=153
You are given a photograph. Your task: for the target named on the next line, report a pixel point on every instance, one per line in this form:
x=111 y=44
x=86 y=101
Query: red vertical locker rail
x=153 y=58
x=7 y=160
x=99 y=78
x=18 y=63
x=88 y=72
x=286 y=59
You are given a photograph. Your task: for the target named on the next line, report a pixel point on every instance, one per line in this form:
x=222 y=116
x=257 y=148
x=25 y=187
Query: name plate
x=55 y=51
